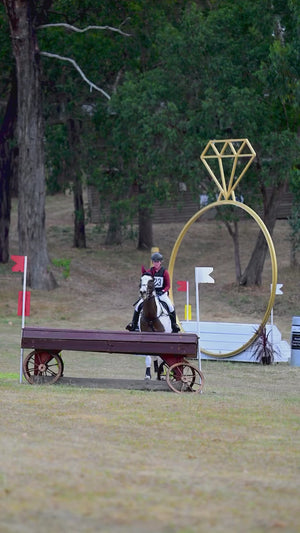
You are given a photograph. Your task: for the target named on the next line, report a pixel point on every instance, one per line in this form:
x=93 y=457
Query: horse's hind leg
x=148 y=367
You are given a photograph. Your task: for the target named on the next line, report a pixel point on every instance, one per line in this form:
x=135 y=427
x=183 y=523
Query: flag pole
x=187 y=301
x=202 y=275
x=23 y=314
x=198 y=318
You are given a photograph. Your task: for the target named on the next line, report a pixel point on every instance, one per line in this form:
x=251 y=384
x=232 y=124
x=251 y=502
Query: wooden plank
x=181 y=344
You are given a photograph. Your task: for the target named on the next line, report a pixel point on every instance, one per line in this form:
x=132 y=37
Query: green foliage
x=64 y=264
x=188 y=73
x=295 y=184
x=294 y=222
x=212 y=81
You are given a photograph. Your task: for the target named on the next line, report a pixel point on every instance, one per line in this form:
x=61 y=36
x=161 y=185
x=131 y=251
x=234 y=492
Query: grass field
x=120 y=461
x=88 y=460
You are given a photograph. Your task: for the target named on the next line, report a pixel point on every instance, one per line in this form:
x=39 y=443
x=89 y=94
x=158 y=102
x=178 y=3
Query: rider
x=162 y=286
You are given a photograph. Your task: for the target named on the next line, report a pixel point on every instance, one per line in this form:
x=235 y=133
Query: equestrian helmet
x=156 y=257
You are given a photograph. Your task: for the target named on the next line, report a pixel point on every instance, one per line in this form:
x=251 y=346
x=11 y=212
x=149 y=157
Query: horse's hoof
x=147 y=377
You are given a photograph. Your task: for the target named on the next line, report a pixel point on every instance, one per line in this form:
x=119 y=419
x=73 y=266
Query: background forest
x=125 y=95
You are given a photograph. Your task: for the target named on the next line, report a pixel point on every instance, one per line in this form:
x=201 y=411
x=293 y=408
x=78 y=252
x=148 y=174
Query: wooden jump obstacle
x=45 y=363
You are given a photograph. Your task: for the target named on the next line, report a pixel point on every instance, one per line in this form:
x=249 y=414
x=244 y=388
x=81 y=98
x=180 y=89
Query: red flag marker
x=27 y=303
x=182 y=286
x=19 y=260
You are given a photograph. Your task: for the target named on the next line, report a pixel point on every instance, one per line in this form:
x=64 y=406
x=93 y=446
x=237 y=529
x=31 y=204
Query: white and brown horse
x=153 y=317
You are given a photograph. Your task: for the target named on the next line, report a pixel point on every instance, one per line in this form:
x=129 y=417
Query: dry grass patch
x=95 y=460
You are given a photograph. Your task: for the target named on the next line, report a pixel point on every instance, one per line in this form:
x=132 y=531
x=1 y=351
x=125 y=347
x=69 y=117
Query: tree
x=197 y=71
x=79 y=226
x=24 y=18
x=8 y=159
x=145 y=157
x=294 y=222
x=73 y=106
x=30 y=133
x=135 y=132
x=8 y=145
x=294 y=219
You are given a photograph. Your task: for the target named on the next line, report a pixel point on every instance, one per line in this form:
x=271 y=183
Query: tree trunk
x=145 y=239
x=253 y=272
x=79 y=240
x=30 y=135
x=294 y=222
x=293 y=254
x=114 y=231
x=8 y=157
x=79 y=224
x=234 y=234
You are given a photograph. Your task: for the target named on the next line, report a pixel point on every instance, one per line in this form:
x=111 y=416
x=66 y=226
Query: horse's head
x=146 y=285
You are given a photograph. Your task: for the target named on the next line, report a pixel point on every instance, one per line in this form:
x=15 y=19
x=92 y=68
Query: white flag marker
x=278 y=288
x=202 y=275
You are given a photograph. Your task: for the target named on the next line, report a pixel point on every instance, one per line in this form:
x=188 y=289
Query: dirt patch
x=151 y=385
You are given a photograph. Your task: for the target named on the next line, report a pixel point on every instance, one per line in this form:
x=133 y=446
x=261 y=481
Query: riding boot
x=175 y=327
x=133 y=325
x=155 y=362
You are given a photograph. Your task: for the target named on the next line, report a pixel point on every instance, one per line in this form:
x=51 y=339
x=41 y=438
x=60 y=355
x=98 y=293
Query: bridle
x=148 y=293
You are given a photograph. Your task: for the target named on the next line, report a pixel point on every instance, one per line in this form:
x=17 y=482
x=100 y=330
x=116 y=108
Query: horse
x=154 y=317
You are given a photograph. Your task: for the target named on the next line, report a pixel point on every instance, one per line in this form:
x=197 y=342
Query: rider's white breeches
x=165 y=298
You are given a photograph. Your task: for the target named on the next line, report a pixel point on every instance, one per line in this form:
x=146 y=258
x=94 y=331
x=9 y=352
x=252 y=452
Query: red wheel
x=42 y=367
x=184 y=377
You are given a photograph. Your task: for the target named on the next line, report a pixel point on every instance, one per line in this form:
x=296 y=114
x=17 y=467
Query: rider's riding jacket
x=161 y=279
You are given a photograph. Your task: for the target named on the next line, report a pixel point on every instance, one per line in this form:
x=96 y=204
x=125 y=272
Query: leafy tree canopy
x=230 y=71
